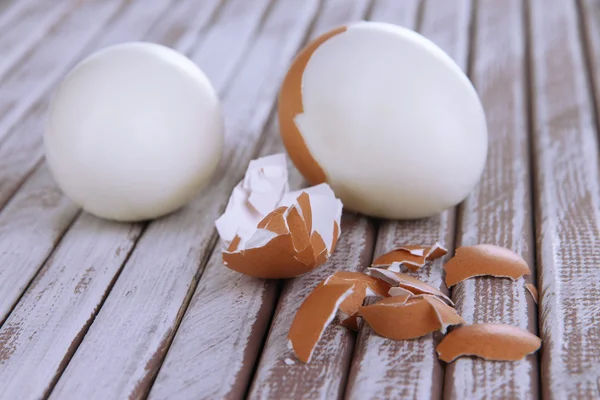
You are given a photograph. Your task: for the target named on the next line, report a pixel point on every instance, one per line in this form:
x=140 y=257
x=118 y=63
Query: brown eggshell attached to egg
x=343 y=115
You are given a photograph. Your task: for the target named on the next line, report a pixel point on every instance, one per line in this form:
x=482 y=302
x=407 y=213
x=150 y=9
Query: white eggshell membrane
x=396 y=126
x=134 y=132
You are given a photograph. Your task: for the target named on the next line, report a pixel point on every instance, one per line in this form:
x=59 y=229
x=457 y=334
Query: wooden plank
x=499 y=210
x=48 y=324
x=58 y=308
x=403 y=13
x=47 y=224
x=11 y=11
x=384 y=368
x=22 y=149
x=325 y=376
x=25 y=84
x=565 y=144
x=162 y=272
x=590 y=20
x=39 y=214
x=28 y=29
x=180 y=31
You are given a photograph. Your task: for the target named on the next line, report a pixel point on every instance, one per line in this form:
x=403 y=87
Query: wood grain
x=384 y=368
x=590 y=19
x=498 y=210
x=16 y=163
x=58 y=318
x=30 y=226
x=12 y=11
x=324 y=377
x=21 y=151
x=163 y=270
x=48 y=324
x=25 y=84
x=565 y=144
x=29 y=27
x=187 y=24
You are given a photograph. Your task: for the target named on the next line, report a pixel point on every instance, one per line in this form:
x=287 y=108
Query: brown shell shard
x=397 y=291
x=283 y=244
x=484 y=259
x=290 y=105
x=446 y=314
x=400 y=318
x=489 y=341
x=407 y=282
x=411 y=256
x=265 y=262
x=313 y=316
x=364 y=285
x=532 y=291
x=274 y=221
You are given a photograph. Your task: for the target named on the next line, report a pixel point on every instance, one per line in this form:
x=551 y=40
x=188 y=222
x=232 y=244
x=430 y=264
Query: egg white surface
x=134 y=132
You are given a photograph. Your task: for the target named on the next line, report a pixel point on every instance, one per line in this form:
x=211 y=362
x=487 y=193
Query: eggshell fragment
x=313 y=316
x=271 y=232
x=407 y=282
x=411 y=256
x=344 y=114
x=446 y=315
x=532 y=291
x=259 y=193
x=364 y=286
x=401 y=318
x=484 y=259
x=489 y=341
x=397 y=291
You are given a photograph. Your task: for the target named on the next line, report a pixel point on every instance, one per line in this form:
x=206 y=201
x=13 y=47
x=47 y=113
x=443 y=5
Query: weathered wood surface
x=39 y=214
x=28 y=26
x=176 y=245
x=498 y=211
x=277 y=376
x=102 y=310
x=18 y=155
x=565 y=145
x=72 y=289
x=410 y=369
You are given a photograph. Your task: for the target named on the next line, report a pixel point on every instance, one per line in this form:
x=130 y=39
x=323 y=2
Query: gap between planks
x=565 y=143
x=384 y=368
x=279 y=38
x=498 y=210
x=52 y=209
x=19 y=162
x=274 y=376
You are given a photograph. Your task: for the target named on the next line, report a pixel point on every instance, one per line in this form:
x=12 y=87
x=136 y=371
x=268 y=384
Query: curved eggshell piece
x=364 y=285
x=489 y=341
x=265 y=262
x=399 y=318
x=313 y=316
x=407 y=282
x=484 y=259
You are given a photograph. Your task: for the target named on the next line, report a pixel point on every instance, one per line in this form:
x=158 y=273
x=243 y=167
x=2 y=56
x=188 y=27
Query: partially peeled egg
x=386 y=118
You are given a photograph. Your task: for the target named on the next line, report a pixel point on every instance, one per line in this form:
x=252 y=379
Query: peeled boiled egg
x=134 y=132
x=386 y=118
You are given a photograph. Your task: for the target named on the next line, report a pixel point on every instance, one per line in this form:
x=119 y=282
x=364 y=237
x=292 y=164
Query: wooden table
x=91 y=309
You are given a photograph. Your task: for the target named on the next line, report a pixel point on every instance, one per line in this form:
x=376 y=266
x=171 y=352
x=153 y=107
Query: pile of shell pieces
x=409 y=308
